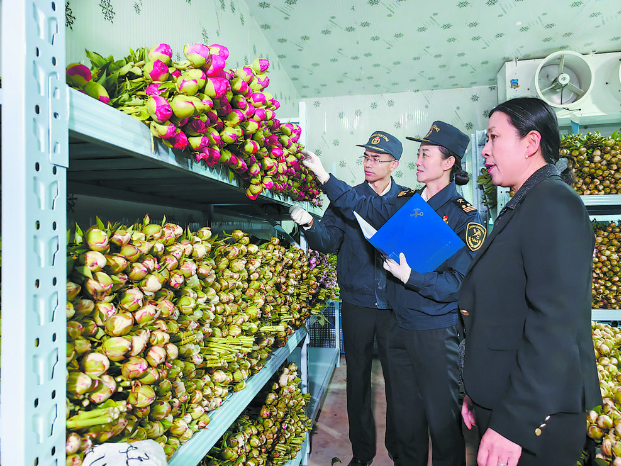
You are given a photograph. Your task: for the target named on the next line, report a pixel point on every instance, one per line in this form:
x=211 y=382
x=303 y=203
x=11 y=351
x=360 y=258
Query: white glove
x=300 y=216
x=314 y=164
x=145 y=452
x=400 y=270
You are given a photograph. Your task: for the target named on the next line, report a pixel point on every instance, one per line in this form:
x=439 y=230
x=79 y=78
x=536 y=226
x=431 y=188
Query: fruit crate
x=325 y=336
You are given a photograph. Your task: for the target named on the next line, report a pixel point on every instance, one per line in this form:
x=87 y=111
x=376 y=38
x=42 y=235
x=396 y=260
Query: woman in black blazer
x=529 y=370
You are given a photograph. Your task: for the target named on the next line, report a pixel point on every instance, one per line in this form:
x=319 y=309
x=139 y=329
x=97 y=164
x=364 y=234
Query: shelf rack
x=114 y=155
x=55 y=139
x=604 y=207
x=201 y=442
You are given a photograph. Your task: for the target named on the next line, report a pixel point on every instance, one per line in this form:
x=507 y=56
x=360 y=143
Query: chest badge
x=475 y=235
x=445 y=218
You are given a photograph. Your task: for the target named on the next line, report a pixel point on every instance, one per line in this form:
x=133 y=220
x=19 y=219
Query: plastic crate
x=324 y=336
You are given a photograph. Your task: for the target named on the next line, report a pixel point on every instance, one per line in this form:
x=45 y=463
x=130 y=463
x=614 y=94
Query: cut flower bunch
x=163 y=323
x=222 y=117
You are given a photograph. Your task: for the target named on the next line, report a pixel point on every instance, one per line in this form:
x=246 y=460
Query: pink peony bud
x=215 y=87
x=260 y=65
x=216 y=66
x=197 y=143
x=146 y=314
x=78 y=75
x=257 y=99
x=97 y=240
x=220 y=50
x=251 y=127
x=162 y=52
x=269 y=166
x=153 y=89
x=134 y=367
x=214 y=154
x=196 y=126
x=155 y=71
x=234 y=118
x=267 y=182
x=239 y=102
x=230 y=135
x=174 y=72
x=187 y=86
x=249 y=111
x=264 y=81
x=251 y=195
x=95 y=364
x=119 y=324
x=259 y=114
x=245 y=73
x=93 y=260
x=159 y=108
x=198 y=54
x=156 y=355
x=250 y=147
x=179 y=141
x=163 y=131
x=239 y=86
x=182 y=106
x=115 y=348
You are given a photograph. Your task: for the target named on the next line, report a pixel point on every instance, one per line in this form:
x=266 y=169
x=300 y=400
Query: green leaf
x=83 y=270
x=96 y=60
x=77 y=238
x=231 y=176
x=163 y=220
x=100 y=224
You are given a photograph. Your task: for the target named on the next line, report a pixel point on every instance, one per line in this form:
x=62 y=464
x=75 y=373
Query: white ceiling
x=355 y=47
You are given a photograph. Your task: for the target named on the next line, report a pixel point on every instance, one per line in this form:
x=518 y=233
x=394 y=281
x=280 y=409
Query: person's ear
x=394 y=165
x=533 y=143
x=448 y=163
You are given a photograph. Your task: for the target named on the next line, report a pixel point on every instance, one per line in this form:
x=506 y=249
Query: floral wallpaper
x=354 y=47
x=111 y=27
x=335 y=125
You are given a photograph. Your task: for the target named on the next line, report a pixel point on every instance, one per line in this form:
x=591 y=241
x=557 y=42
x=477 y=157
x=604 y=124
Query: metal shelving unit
x=201 y=442
x=604 y=208
x=55 y=138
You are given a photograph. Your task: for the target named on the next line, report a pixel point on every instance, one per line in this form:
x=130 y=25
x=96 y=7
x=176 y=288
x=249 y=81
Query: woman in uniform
x=529 y=371
x=423 y=344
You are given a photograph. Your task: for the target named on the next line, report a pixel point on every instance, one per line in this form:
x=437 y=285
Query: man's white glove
x=400 y=270
x=314 y=164
x=300 y=216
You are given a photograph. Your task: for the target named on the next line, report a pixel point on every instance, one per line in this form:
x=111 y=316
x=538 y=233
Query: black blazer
x=526 y=307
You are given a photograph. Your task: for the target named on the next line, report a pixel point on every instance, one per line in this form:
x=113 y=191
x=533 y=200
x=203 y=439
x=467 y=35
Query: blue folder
x=417 y=231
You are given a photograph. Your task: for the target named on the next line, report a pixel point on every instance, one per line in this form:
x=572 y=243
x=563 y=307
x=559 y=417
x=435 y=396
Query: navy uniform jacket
x=428 y=300
x=526 y=306
x=360 y=271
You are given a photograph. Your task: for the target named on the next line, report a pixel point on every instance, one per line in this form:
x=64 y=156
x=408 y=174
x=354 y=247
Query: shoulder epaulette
x=408 y=192
x=464 y=205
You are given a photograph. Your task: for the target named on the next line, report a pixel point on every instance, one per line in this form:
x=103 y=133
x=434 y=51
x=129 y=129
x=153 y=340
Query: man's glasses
x=375 y=160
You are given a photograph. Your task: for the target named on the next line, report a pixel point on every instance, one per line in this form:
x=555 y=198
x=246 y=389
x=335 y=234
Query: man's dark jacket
x=361 y=275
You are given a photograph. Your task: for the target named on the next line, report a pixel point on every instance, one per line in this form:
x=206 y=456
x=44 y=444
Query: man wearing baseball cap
x=362 y=280
x=424 y=341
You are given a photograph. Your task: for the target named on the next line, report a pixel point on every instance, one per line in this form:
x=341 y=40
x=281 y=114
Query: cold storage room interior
x=152 y=153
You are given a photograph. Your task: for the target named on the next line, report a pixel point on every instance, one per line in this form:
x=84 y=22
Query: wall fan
x=563 y=79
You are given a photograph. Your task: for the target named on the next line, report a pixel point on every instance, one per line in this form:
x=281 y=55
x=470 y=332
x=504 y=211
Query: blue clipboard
x=417 y=231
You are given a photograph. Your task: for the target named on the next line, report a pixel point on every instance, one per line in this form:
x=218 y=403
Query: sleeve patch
x=464 y=205
x=475 y=235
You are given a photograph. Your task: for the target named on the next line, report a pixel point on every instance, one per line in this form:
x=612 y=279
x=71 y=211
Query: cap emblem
x=433 y=127
x=375 y=140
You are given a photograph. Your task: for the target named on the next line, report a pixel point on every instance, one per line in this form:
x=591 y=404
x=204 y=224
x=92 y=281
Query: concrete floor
x=329 y=438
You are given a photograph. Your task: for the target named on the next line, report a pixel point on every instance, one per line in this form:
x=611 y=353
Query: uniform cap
x=445 y=135
x=384 y=142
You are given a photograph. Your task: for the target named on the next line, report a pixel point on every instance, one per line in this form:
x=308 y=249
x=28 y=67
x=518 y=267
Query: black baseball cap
x=445 y=135
x=384 y=142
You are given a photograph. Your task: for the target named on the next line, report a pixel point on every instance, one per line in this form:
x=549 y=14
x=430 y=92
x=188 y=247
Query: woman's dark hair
x=460 y=176
x=528 y=114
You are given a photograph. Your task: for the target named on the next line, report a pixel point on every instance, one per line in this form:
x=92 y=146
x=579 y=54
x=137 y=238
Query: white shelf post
x=34 y=162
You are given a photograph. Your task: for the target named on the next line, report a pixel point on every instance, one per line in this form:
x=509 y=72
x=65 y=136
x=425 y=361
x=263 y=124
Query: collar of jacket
x=446 y=194
x=393 y=191
x=545 y=172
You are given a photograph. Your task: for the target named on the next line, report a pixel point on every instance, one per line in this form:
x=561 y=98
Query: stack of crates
x=325 y=336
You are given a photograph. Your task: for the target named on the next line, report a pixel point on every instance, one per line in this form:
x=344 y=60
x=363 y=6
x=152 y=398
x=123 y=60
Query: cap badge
x=433 y=127
x=375 y=140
